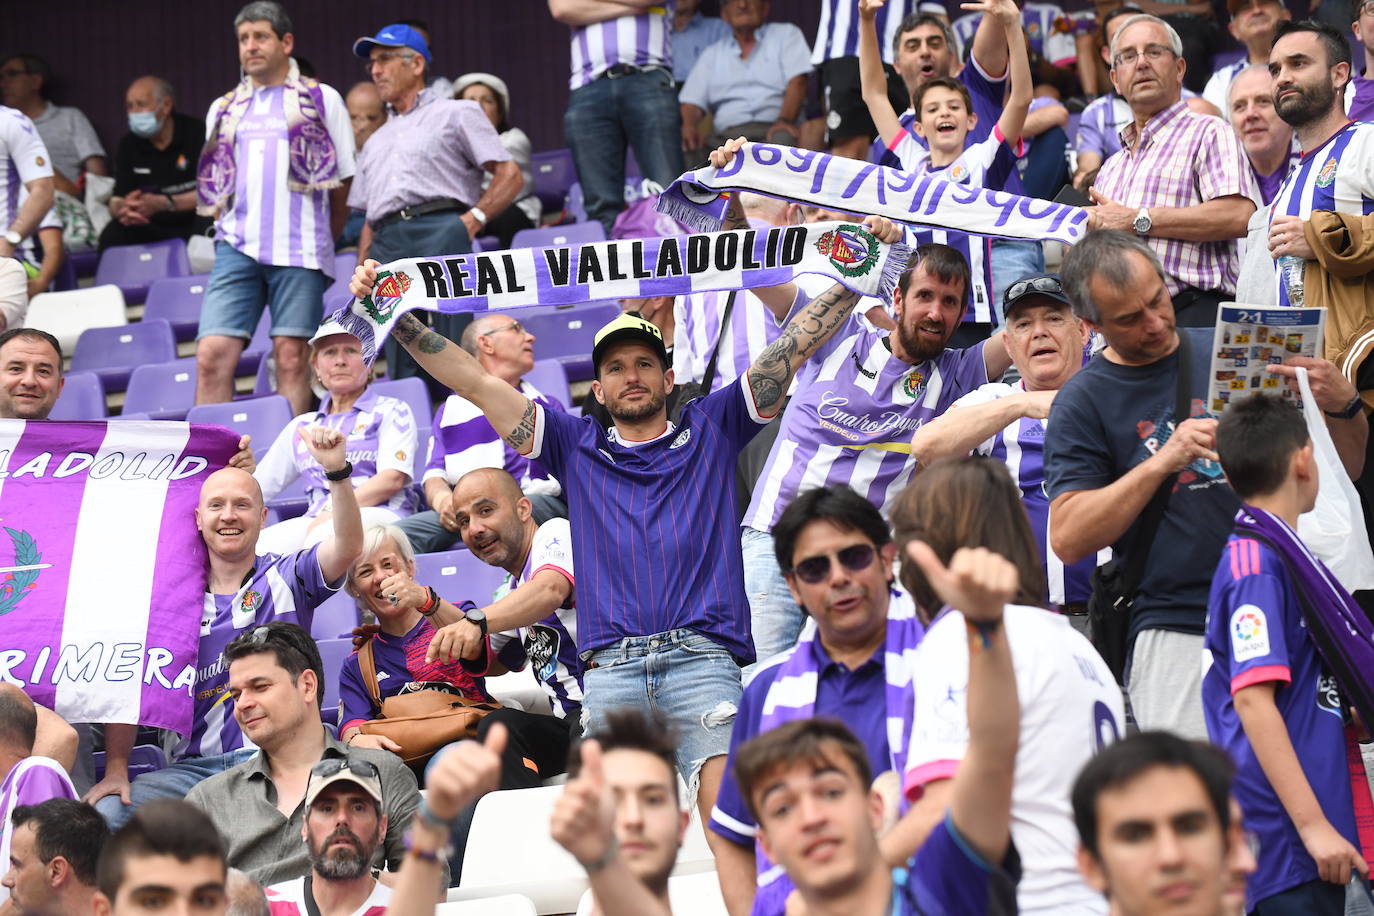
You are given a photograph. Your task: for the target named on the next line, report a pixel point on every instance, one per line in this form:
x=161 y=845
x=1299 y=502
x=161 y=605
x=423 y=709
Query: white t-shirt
x=288 y=899
x=1070 y=708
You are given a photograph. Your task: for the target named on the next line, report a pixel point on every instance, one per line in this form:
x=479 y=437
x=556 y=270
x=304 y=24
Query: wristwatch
x=476 y=616
x=342 y=473
x=14 y=238
x=478 y=214
x=1345 y=413
x=1143 y=223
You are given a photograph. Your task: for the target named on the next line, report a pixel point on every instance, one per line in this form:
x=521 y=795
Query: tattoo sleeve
x=432 y=342
x=407 y=328
x=772 y=372
x=734 y=215
x=524 y=430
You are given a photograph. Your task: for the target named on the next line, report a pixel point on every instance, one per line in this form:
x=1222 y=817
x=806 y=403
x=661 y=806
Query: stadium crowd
x=810 y=581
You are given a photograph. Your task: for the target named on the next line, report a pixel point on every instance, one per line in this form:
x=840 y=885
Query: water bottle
x=1291 y=269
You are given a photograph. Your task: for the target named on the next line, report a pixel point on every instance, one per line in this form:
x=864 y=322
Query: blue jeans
x=689 y=679
x=1012 y=259
x=640 y=109
x=775 y=618
x=240 y=287
x=173 y=781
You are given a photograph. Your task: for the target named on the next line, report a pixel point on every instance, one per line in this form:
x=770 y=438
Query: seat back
x=457 y=575
x=568 y=333
x=133 y=268
x=332 y=655
x=413 y=391
x=554 y=173
x=66 y=314
x=165 y=391
x=262 y=418
x=553 y=236
x=177 y=300
x=82 y=398
x=549 y=376
x=114 y=352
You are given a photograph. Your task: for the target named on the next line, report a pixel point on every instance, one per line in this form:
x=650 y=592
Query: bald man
x=365 y=111
x=155 y=169
x=244 y=591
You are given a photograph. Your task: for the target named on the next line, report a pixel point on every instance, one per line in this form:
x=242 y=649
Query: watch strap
x=342 y=473
x=1349 y=410
x=478 y=214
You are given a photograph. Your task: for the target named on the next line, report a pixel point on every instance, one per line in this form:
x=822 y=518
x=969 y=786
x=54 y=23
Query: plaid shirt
x=1183 y=159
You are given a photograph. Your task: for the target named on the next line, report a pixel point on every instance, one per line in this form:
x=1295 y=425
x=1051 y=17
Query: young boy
x=1266 y=696
x=944 y=120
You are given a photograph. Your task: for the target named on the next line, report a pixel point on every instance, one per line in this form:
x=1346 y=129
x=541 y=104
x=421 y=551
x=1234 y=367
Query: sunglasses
x=1038 y=284
x=329 y=766
x=855 y=558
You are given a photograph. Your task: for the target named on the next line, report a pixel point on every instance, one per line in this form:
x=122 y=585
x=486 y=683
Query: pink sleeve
x=917 y=777
x=1264 y=674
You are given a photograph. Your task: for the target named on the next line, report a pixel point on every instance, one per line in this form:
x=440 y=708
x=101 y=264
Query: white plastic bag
x=1334 y=530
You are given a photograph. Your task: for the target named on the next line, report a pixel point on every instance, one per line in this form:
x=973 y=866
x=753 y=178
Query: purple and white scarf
x=314 y=163
x=792 y=696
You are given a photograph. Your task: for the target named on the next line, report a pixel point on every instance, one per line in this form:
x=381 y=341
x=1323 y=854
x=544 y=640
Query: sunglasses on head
x=1039 y=284
x=329 y=766
x=855 y=558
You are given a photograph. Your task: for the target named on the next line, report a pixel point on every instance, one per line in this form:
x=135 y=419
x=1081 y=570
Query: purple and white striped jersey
x=464 y=440
x=643 y=40
x=284 y=588
x=267 y=221
x=380 y=436
x=668 y=503
x=23 y=158
x=1021 y=447
x=838 y=33
x=852 y=417
x=752 y=327
x=551 y=644
x=30 y=781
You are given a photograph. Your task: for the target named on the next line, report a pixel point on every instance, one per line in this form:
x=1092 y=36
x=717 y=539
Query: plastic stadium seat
x=133 y=268
x=519 y=689
x=136 y=415
x=65 y=278
x=143 y=758
x=413 y=392
x=258 y=348
x=457 y=576
x=549 y=376
x=566 y=334
x=291 y=502
x=177 y=300
x=113 y=353
x=332 y=654
x=554 y=173
x=165 y=391
x=65 y=315
x=82 y=398
x=84 y=261
x=697 y=894
x=336 y=617
x=485 y=243
x=502 y=905
x=261 y=418
x=337 y=296
x=344 y=262
x=571 y=234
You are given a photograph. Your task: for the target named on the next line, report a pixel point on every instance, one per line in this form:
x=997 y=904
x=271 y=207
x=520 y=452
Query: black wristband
x=342 y=473
x=1348 y=411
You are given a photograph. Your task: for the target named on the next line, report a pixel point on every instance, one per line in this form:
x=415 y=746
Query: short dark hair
x=1337 y=48
x=1102 y=253
x=941 y=82
x=37 y=66
x=1126 y=9
x=798 y=741
x=914 y=21
x=1123 y=761
x=18 y=719
x=1256 y=439
x=163 y=827
x=944 y=262
x=294 y=649
x=64 y=827
x=629 y=729
x=837 y=504
x=35 y=335
x=268 y=11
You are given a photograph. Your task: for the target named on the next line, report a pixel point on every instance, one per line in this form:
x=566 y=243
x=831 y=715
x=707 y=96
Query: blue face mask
x=143 y=123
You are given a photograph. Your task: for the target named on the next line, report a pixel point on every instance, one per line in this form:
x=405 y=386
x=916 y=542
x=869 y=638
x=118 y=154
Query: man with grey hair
x=1114 y=444
x=1180 y=180
x=463 y=440
x=420 y=176
x=1266 y=139
x=155 y=169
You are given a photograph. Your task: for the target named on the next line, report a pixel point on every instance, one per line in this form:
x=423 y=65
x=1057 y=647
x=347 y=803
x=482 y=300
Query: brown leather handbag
x=421 y=722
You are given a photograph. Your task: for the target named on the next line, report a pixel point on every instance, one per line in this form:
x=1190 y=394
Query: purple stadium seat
x=143 y=758
x=335 y=618
x=332 y=654
x=550 y=378
x=84 y=262
x=336 y=296
x=571 y=234
x=82 y=398
x=554 y=174
x=165 y=391
x=566 y=333
x=112 y=353
x=65 y=278
x=133 y=268
x=459 y=576
x=258 y=348
x=291 y=502
x=344 y=262
x=413 y=392
x=177 y=301
x=632 y=169
x=261 y=418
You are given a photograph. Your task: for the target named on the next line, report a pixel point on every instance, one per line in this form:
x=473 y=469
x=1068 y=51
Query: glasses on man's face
x=855 y=558
x=386 y=56
x=1039 y=284
x=332 y=765
x=515 y=326
x=1366 y=8
x=1153 y=53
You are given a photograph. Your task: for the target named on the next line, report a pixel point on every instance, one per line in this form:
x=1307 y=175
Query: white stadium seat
x=66 y=314
x=504 y=905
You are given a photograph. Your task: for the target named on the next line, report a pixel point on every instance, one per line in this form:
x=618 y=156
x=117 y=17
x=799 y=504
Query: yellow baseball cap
x=631 y=326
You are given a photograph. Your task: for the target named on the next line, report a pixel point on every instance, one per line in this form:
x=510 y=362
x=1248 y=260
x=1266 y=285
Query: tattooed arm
x=510 y=413
x=771 y=374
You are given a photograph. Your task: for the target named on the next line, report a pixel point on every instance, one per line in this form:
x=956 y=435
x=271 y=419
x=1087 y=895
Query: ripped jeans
x=693 y=682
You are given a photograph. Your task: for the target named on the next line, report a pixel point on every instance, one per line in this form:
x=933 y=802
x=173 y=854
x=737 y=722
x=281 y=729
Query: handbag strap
x=1159 y=502
x=367 y=666
x=710 y=375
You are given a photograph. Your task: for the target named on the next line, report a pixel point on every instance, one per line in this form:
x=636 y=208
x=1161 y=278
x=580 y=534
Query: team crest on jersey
x=252 y=600
x=1249 y=633
x=21 y=578
x=853 y=250
x=959 y=173
x=912 y=384
x=388 y=291
x=682 y=439
x=1327 y=174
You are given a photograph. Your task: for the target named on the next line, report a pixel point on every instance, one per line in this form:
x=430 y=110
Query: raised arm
x=337 y=553
x=872 y=78
x=960 y=430
x=989 y=51
x=771 y=374
x=1013 y=119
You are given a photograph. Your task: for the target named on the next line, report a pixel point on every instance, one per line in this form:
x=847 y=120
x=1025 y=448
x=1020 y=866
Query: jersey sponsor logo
x=541 y=645
x=1249 y=633
x=1327 y=174
x=1329 y=696
x=682 y=439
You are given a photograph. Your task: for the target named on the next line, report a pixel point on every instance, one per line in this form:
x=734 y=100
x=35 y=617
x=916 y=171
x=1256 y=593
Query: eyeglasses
x=388 y=56
x=855 y=558
x=1039 y=284
x=329 y=766
x=1366 y=8
x=515 y=326
x=1153 y=53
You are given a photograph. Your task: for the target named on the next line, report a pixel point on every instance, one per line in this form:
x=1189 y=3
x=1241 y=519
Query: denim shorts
x=691 y=680
x=240 y=287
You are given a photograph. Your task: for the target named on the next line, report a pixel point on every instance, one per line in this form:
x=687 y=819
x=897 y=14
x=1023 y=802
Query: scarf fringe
x=693 y=217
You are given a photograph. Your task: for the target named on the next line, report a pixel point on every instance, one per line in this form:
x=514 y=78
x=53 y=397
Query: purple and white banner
x=102 y=570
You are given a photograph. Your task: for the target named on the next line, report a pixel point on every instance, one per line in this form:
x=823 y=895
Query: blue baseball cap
x=393 y=36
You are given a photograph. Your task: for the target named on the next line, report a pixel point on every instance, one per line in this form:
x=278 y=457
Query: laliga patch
x=959 y=173
x=1249 y=633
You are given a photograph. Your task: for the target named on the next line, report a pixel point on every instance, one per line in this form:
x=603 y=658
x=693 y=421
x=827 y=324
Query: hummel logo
x=682 y=439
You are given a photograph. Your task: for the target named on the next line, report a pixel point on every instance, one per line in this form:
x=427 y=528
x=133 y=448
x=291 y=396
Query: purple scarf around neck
x=313 y=161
